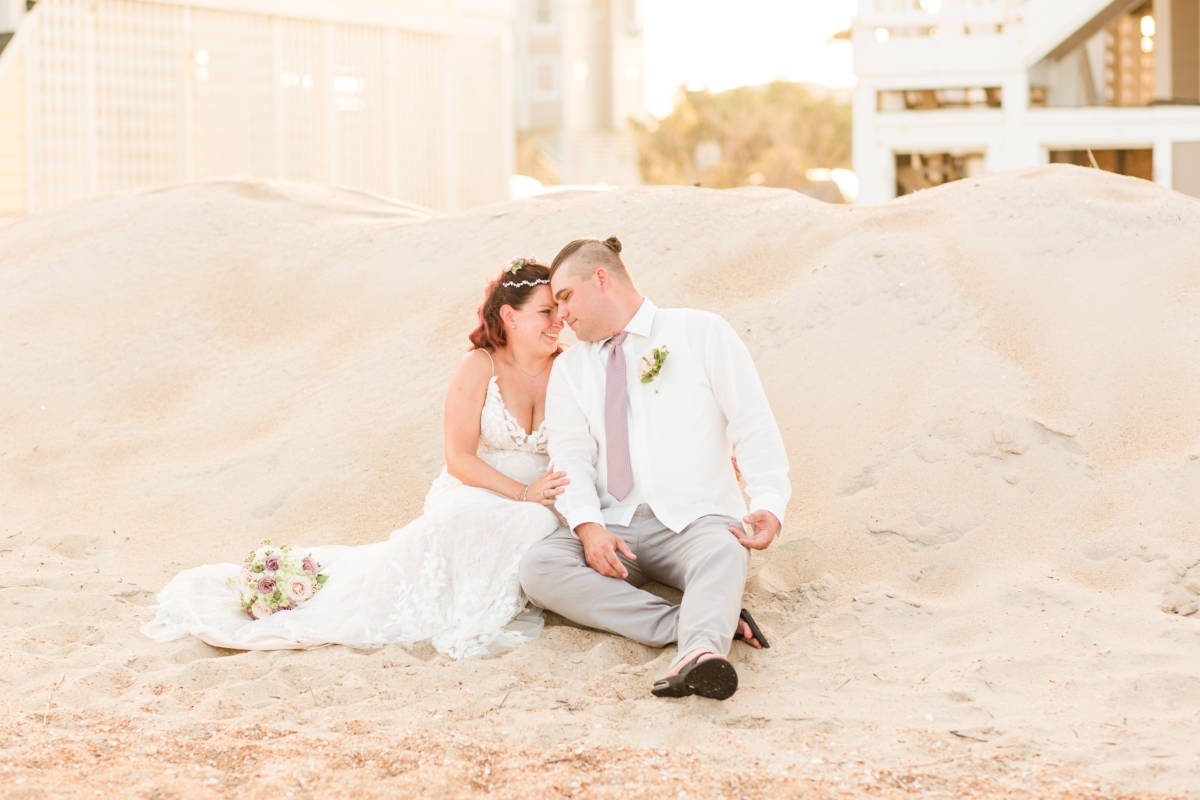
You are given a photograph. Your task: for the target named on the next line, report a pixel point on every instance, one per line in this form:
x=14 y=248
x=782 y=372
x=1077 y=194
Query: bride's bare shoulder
x=476 y=367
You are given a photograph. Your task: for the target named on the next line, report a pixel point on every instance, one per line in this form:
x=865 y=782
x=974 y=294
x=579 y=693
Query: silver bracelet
x=524 y=492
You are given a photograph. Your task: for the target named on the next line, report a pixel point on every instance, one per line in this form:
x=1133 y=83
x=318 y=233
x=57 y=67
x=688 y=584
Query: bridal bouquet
x=276 y=579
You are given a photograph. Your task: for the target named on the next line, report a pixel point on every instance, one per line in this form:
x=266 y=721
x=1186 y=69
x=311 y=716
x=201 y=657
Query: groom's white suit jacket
x=706 y=404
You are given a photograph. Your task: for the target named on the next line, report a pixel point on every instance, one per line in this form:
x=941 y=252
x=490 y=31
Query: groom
x=643 y=416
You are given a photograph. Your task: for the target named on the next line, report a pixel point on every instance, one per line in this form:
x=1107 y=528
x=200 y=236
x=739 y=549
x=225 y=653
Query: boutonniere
x=652 y=363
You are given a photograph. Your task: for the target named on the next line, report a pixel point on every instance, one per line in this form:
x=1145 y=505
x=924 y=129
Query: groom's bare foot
x=748 y=631
x=747 y=634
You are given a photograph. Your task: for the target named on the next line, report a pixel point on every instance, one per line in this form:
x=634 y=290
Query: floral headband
x=514 y=267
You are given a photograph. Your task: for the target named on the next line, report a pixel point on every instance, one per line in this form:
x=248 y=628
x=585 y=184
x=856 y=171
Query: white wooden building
x=954 y=88
x=579 y=71
x=408 y=98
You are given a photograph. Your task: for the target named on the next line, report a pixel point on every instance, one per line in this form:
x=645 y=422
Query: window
x=545 y=72
x=922 y=170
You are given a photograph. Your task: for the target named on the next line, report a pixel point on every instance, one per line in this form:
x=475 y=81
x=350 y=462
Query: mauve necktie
x=616 y=423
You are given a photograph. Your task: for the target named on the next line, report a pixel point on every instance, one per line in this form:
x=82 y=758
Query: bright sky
x=718 y=44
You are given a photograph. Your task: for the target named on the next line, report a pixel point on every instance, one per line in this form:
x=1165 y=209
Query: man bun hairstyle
x=593 y=253
x=512 y=288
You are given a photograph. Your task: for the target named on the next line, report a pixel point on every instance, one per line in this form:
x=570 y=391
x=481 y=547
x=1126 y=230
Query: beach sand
x=987 y=584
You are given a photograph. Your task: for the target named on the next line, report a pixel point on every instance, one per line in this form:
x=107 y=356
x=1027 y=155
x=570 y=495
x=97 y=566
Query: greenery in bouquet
x=276 y=579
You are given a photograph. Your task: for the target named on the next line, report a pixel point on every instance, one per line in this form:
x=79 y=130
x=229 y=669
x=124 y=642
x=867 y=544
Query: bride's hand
x=547 y=488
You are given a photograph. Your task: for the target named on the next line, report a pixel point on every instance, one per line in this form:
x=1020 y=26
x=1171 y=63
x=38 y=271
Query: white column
x=885 y=169
x=994 y=158
x=11 y=12
x=32 y=99
x=872 y=164
x=1020 y=147
x=1163 y=165
x=189 y=97
x=391 y=143
x=332 y=145
x=449 y=99
x=91 y=119
x=508 y=126
x=277 y=92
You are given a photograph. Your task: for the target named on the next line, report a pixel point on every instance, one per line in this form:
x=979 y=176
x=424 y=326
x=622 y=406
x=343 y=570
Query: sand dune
x=990 y=394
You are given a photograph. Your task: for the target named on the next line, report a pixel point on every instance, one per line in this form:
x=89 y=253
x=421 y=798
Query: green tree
x=769 y=135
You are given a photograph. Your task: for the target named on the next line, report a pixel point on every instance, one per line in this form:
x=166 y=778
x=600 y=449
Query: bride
x=449 y=577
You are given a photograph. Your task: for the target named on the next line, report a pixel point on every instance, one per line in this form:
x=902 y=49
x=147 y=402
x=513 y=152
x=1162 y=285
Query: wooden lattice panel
x=122 y=94
x=421 y=117
x=59 y=104
x=139 y=73
x=360 y=113
x=476 y=124
x=233 y=97
x=12 y=135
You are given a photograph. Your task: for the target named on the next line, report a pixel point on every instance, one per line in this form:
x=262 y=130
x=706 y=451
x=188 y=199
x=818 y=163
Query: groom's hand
x=600 y=548
x=765 y=526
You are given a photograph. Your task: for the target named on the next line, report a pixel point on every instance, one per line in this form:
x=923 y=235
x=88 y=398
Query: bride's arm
x=464 y=404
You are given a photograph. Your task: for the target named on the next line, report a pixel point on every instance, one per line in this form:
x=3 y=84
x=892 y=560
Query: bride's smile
x=534 y=328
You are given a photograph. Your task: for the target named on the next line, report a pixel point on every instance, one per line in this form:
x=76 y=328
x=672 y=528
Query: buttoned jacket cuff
x=769 y=502
x=580 y=516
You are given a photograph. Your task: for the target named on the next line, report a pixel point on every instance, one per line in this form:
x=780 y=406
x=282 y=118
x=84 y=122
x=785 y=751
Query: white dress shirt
x=705 y=404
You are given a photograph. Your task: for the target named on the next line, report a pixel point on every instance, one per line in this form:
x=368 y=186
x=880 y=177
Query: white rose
x=298 y=587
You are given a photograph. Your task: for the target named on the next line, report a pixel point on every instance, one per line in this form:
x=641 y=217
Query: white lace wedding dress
x=449 y=577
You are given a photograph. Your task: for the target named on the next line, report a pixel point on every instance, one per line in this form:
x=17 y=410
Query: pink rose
x=310 y=566
x=298 y=588
x=266 y=585
x=271 y=563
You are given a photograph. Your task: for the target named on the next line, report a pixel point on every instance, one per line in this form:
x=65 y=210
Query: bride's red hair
x=510 y=289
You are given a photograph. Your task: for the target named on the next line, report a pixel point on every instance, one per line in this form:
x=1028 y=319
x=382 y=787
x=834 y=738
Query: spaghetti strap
x=489 y=355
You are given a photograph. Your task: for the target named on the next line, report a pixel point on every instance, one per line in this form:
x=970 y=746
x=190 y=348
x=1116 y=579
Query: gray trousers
x=704 y=560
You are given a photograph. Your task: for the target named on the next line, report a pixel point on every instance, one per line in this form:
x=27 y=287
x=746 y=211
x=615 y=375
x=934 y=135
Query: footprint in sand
x=1183 y=596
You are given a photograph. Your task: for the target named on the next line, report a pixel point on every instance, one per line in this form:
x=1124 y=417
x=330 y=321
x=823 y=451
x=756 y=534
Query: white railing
x=885 y=19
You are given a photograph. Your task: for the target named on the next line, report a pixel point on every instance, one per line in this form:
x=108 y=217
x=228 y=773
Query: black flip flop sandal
x=754 y=630
x=715 y=678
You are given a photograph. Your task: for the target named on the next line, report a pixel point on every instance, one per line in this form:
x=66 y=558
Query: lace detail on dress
x=449 y=577
x=499 y=429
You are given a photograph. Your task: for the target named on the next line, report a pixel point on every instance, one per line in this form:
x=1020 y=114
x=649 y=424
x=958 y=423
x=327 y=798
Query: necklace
x=530 y=375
